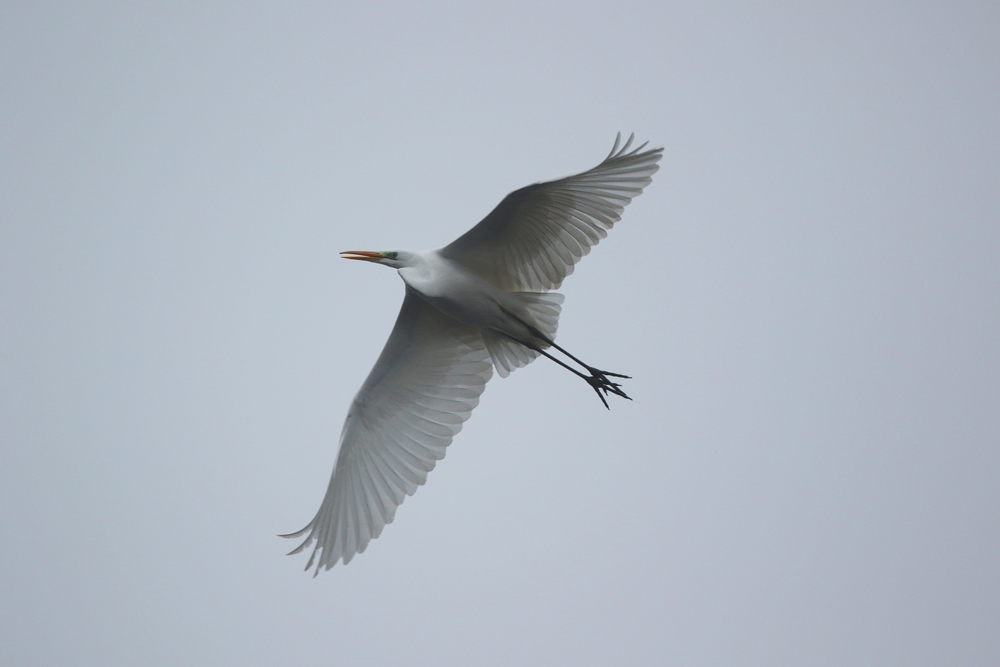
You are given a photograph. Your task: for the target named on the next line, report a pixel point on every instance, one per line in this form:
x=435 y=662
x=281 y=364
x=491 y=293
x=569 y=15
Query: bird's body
x=481 y=303
x=465 y=296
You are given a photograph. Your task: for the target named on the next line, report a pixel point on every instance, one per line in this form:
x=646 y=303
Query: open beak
x=365 y=255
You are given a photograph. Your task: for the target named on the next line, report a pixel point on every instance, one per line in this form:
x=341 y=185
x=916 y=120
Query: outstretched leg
x=597 y=375
x=593 y=371
x=598 y=379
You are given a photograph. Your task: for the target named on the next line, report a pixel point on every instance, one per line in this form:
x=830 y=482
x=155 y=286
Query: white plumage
x=476 y=305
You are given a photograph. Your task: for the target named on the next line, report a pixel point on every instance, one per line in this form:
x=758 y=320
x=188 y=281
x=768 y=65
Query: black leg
x=596 y=372
x=600 y=376
x=597 y=379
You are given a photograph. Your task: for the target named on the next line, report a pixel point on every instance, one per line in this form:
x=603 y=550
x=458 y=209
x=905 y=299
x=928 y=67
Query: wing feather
x=421 y=390
x=532 y=240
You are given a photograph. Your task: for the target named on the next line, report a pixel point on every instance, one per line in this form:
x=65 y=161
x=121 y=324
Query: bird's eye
x=392 y=255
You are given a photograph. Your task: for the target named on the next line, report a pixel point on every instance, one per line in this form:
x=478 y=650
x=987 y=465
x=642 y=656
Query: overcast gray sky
x=808 y=296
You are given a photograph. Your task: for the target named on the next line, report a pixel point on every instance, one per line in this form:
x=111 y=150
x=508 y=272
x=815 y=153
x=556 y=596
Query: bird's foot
x=600 y=383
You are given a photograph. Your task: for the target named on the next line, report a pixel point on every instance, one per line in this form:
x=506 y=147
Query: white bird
x=478 y=304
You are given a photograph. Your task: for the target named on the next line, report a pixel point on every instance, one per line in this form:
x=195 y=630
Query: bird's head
x=397 y=259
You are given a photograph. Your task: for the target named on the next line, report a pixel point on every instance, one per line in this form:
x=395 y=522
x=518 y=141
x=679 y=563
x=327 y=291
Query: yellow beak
x=364 y=255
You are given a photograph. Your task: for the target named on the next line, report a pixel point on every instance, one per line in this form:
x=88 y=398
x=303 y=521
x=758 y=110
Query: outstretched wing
x=533 y=238
x=422 y=389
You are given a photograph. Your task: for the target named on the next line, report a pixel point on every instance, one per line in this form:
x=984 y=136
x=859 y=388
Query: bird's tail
x=540 y=310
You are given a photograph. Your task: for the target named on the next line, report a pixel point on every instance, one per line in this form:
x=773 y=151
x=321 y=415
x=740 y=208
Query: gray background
x=808 y=297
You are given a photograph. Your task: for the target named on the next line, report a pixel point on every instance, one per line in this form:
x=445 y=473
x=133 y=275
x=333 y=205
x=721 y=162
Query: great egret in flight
x=478 y=304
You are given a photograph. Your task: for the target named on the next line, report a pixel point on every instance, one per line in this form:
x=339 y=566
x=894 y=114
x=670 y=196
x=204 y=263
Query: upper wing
x=423 y=387
x=532 y=239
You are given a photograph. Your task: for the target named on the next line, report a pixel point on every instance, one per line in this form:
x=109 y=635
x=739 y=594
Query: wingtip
x=297 y=533
x=619 y=151
x=618 y=141
x=628 y=143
